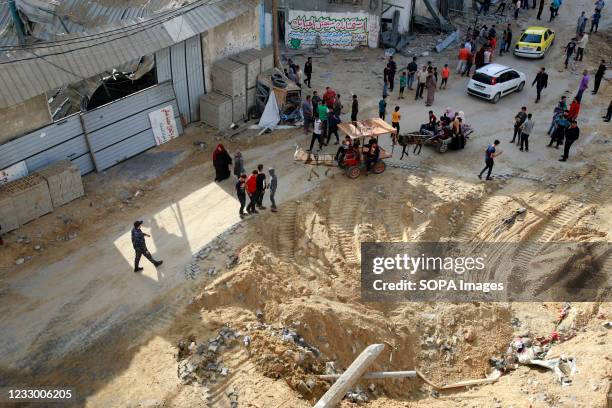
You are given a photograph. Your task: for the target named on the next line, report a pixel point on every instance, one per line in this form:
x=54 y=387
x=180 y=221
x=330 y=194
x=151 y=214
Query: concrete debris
x=23 y=240
x=19 y=261
x=357 y=395
x=233 y=397
x=198 y=362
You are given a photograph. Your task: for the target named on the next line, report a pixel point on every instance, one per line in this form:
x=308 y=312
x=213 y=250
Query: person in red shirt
x=464 y=55
x=329 y=97
x=574 y=110
x=251 y=188
x=445 y=75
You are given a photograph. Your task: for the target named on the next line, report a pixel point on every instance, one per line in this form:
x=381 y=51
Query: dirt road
x=85 y=299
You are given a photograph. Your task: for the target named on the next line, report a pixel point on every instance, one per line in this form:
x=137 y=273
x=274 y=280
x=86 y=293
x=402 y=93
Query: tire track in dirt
x=566 y=215
x=285 y=237
x=342 y=217
x=491 y=206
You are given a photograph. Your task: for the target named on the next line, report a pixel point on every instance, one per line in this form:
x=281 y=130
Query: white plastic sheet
x=271 y=116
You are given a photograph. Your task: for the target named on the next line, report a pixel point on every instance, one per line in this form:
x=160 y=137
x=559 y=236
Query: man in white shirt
x=316 y=135
x=582 y=43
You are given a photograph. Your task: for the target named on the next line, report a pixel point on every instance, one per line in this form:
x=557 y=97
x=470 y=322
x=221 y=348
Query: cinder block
x=30 y=196
x=229 y=77
x=64 y=181
x=266 y=56
x=216 y=110
x=8 y=213
x=252 y=62
x=238 y=108
x=250 y=98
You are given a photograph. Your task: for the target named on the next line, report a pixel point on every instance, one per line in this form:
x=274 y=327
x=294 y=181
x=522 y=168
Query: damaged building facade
x=348 y=24
x=87 y=79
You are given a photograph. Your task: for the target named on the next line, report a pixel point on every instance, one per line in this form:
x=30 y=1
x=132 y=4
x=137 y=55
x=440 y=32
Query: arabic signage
x=163 y=125
x=14 y=172
x=334 y=30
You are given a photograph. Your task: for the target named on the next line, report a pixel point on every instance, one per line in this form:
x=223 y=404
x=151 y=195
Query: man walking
x=601 y=71
x=581 y=24
x=571 y=135
x=392 y=70
x=582 y=43
x=421 y=79
x=382 y=108
x=316 y=135
x=519 y=119
x=308 y=72
x=140 y=247
x=273 y=185
x=337 y=109
x=354 y=109
x=569 y=51
x=526 y=130
x=412 y=69
x=540 y=9
x=490 y=154
x=261 y=186
x=463 y=57
x=251 y=188
x=241 y=193
x=584 y=85
x=541 y=82
x=308 y=114
x=595 y=21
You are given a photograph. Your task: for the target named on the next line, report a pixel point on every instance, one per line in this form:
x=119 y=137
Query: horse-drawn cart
x=355 y=161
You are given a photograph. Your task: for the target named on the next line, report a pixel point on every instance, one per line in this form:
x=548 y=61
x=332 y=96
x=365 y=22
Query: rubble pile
x=207 y=253
x=199 y=362
x=283 y=353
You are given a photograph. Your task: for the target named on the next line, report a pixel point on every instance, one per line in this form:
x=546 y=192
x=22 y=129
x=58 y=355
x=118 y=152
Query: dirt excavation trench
x=294 y=294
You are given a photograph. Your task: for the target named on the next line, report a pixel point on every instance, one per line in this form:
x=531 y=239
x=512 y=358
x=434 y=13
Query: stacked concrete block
x=266 y=56
x=252 y=61
x=8 y=214
x=30 y=197
x=64 y=181
x=229 y=77
x=239 y=108
x=216 y=110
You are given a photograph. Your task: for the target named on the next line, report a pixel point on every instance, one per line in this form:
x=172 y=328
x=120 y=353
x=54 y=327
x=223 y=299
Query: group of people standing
x=252 y=186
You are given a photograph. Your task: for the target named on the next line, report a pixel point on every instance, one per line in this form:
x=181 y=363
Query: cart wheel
x=443 y=147
x=379 y=167
x=353 y=172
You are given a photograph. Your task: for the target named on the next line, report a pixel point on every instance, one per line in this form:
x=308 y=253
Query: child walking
x=445 y=75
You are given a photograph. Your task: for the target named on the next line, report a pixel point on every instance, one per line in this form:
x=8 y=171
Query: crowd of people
x=252 y=186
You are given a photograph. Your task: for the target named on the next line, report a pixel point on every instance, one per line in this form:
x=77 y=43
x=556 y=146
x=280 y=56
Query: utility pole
x=275 y=34
x=17 y=22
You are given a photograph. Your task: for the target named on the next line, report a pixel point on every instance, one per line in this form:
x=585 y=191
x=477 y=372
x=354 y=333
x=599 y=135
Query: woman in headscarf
x=430 y=84
x=238 y=164
x=221 y=161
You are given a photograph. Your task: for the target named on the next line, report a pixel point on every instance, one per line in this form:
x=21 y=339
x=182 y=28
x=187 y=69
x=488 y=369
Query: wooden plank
x=352 y=374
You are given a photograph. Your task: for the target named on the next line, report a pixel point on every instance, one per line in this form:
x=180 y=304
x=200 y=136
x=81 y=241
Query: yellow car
x=534 y=42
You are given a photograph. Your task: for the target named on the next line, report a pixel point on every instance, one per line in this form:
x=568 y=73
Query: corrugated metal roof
x=25 y=73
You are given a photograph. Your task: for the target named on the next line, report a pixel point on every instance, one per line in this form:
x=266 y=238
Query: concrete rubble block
x=229 y=77
x=251 y=98
x=64 y=181
x=266 y=55
x=216 y=110
x=30 y=196
x=8 y=213
x=239 y=108
x=252 y=61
